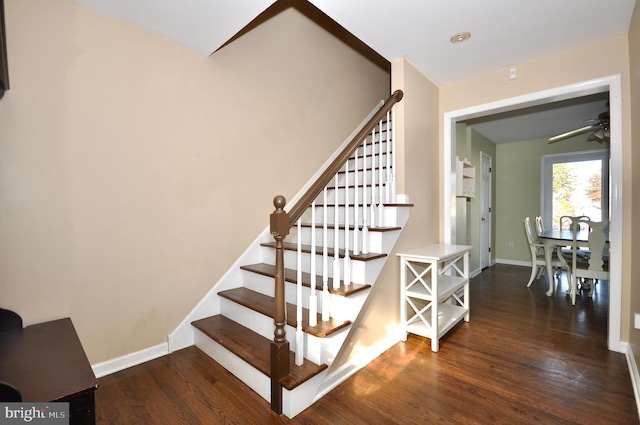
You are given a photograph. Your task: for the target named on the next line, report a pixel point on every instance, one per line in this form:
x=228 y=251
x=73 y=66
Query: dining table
x=561 y=238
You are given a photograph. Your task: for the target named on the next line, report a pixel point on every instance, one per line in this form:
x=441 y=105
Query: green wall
x=518 y=179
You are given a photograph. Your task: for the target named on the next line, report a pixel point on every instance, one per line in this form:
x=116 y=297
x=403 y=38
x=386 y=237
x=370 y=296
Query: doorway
x=612 y=84
x=486 y=220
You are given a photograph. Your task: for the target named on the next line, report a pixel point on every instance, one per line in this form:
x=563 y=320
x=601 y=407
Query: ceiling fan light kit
x=600 y=129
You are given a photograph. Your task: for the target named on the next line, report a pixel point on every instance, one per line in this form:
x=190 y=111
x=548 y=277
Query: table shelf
x=434 y=286
x=447 y=285
x=448 y=316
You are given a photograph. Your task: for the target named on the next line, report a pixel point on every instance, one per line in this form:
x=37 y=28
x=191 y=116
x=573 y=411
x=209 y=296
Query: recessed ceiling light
x=460 y=37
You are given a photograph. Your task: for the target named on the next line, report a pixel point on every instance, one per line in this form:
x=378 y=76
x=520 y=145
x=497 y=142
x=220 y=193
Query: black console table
x=46 y=363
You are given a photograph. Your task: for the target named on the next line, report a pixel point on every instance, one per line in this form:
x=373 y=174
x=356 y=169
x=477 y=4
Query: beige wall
x=634 y=58
x=587 y=63
x=134 y=172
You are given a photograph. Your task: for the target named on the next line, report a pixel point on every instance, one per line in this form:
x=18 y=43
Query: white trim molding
x=633 y=371
x=129 y=360
x=613 y=85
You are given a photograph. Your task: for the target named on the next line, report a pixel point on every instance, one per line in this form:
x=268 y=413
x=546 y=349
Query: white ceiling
x=504 y=33
x=541 y=121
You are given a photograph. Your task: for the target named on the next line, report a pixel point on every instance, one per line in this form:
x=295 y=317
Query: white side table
x=434 y=283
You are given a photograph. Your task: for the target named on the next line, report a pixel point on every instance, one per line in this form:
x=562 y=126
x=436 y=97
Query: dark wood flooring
x=524 y=358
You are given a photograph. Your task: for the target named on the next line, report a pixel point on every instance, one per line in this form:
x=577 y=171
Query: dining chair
x=538 y=262
x=569 y=220
x=540 y=229
x=583 y=254
x=539 y=225
x=596 y=266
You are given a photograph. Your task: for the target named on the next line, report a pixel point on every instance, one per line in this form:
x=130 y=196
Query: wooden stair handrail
x=281 y=222
x=325 y=178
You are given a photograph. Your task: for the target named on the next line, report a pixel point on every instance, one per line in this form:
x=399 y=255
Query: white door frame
x=485 y=200
x=613 y=85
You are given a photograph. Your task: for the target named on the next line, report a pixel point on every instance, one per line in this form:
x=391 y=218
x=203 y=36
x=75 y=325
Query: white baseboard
x=635 y=376
x=129 y=360
x=513 y=262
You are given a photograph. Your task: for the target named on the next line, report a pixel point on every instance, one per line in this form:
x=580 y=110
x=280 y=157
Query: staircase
x=338 y=233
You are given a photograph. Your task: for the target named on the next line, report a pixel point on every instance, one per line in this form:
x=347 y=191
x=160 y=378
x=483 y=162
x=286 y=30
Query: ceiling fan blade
x=571 y=133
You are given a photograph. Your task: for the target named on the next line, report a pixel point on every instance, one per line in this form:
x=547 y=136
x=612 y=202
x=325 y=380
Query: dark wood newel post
x=280 y=346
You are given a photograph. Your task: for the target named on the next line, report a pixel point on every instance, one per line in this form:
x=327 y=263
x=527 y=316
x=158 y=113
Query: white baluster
x=325 y=262
x=347 y=259
x=380 y=178
x=336 y=239
x=356 y=225
x=313 y=298
x=387 y=161
x=299 y=333
x=372 y=217
x=393 y=155
x=365 y=228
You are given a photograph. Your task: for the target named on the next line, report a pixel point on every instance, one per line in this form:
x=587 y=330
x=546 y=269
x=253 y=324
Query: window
x=575 y=183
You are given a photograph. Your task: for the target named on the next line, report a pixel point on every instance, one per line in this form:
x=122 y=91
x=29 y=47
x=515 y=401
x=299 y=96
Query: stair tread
x=360 y=169
x=291 y=246
x=351 y=227
x=263 y=304
x=254 y=349
x=290 y=275
x=384 y=204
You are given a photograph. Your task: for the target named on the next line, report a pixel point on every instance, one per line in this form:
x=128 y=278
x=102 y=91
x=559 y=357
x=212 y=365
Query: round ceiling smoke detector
x=460 y=37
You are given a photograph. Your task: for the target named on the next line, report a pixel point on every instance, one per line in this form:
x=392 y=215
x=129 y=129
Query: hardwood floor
x=524 y=358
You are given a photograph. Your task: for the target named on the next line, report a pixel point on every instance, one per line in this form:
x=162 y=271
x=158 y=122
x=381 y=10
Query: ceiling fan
x=598 y=126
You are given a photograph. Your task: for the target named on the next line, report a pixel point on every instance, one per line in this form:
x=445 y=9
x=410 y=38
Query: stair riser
x=318 y=350
x=361 y=271
x=303 y=396
x=375 y=239
x=347 y=308
x=362 y=214
x=377 y=144
x=385 y=216
x=340 y=307
x=357 y=266
x=252 y=377
x=248 y=318
x=395 y=216
x=364 y=172
x=338 y=195
x=324 y=350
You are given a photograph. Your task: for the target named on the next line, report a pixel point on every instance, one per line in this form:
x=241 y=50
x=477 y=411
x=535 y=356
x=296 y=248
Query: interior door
x=485 y=209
